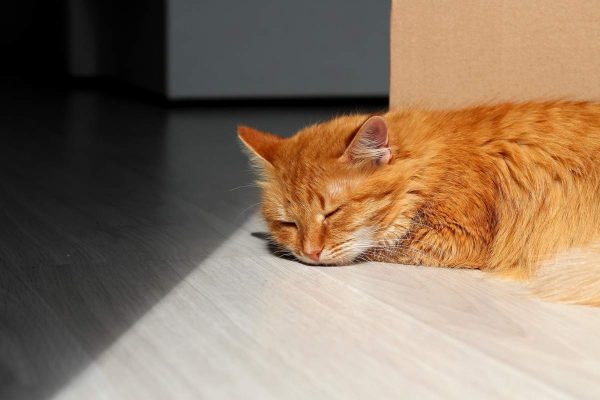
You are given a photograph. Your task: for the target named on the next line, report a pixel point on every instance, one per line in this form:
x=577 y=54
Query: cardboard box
x=460 y=52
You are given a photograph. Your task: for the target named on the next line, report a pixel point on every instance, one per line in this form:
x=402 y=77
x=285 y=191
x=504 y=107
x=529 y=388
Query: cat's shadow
x=272 y=247
x=276 y=251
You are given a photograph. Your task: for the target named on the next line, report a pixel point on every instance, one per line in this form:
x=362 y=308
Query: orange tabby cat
x=513 y=189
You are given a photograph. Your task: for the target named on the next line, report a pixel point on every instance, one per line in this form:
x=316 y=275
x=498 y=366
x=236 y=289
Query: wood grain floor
x=132 y=267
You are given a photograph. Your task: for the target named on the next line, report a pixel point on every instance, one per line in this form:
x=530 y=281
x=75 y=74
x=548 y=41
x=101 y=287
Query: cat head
x=325 y=196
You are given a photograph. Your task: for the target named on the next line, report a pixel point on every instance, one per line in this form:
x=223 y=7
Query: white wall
x=206 y=49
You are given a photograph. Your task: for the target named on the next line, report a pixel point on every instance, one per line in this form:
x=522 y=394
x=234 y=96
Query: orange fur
x=504 y=188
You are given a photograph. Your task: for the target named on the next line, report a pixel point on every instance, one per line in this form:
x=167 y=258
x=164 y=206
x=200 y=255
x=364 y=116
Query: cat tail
x=572 y=277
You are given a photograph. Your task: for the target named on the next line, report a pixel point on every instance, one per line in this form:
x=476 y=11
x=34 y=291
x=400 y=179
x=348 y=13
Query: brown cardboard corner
x=457 y=53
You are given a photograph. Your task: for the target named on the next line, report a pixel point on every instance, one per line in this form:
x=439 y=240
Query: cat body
x=509 y=188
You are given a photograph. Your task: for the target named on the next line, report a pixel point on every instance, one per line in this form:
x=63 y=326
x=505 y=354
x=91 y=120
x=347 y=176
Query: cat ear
x=370 y=143
x=261 y=145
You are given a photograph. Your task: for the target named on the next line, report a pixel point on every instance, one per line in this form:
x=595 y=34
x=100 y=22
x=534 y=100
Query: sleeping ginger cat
x=513 y=189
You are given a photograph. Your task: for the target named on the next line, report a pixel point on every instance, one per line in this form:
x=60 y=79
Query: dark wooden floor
x=104 y=204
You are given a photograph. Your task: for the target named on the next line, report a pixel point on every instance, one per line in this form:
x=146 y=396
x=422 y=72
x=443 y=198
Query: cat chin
x=313 y=263
x=339 y=262
x=325 y=263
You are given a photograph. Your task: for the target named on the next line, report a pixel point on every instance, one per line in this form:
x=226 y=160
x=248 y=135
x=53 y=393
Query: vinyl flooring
x=133 y=265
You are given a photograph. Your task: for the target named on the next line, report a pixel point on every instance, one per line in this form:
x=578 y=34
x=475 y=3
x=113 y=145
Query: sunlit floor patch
x=245 y=324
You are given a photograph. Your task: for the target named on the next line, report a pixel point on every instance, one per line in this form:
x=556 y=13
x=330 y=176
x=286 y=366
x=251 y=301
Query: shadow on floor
x=105 y=205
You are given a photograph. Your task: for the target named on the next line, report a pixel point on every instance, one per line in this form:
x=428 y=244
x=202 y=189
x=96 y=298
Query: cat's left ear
x=370 y=144
x=261 y=145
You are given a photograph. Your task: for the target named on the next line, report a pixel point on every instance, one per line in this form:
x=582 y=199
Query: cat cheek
x=287 y=236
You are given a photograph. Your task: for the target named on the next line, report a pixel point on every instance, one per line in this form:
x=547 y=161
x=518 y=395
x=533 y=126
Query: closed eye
x=331 y=213
x=288 y=224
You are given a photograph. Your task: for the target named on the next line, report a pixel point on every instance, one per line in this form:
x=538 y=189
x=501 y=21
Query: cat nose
x=314 y=253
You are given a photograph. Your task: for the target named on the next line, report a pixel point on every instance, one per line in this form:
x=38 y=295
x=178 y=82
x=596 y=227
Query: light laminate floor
x=132 y=266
